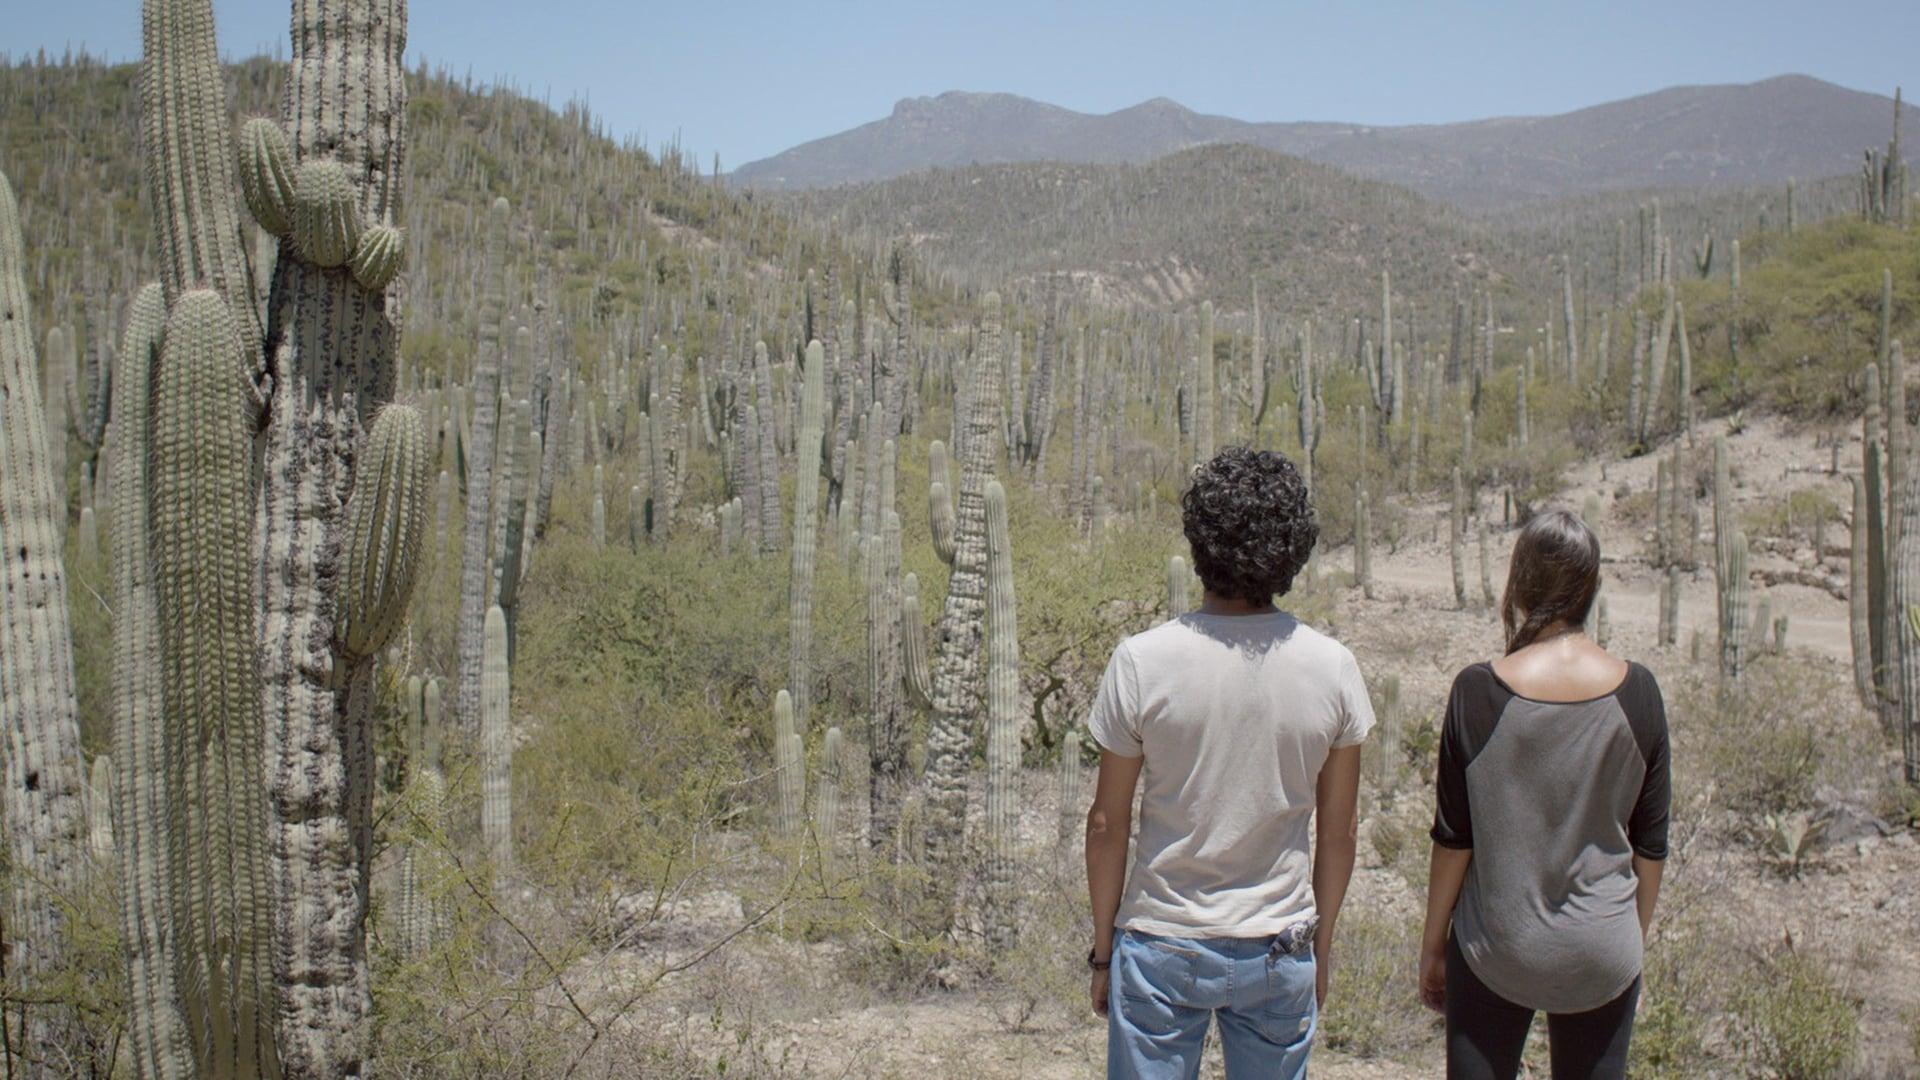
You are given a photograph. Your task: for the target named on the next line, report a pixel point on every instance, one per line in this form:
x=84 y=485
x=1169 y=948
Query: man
x=1245 y=725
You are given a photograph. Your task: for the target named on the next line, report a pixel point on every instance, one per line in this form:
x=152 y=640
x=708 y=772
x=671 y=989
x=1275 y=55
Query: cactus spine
x=806 y=530
x=1003 y=721
x=956 y=674
x=496 y=745
x=44 y=804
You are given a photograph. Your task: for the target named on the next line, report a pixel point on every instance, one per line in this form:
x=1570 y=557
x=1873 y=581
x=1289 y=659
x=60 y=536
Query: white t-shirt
x=1235 y=715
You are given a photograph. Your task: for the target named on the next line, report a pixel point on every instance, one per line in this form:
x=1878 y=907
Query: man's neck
x=1214 y=604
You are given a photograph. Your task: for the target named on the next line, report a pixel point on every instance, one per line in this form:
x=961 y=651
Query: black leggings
x=1486 y=1032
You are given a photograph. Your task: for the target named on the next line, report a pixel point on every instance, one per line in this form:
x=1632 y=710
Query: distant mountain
x=1686 y=136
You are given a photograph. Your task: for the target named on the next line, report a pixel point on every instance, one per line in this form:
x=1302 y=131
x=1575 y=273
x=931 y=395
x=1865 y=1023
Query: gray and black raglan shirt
x=1554 y=799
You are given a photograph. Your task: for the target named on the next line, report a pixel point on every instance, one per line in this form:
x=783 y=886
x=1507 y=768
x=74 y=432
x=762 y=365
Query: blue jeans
x=1165 y=992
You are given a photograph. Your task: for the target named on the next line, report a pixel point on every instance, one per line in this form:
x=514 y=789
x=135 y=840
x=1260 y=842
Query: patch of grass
x=1373 y=1006
x=1794 y=1020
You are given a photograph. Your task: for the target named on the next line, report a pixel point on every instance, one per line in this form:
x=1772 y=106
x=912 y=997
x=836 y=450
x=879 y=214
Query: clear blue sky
x=750 y=79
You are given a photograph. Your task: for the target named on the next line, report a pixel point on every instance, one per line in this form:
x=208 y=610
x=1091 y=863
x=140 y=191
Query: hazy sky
x=750 y=79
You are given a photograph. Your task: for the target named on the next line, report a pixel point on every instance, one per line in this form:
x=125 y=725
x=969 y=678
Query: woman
x=1549 y=828
x=1242 y=727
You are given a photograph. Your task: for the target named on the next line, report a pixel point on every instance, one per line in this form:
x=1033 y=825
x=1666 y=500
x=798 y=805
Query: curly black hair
x=1248 y=518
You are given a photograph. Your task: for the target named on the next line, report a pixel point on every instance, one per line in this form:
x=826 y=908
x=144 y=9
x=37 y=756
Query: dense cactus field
x=481 y=598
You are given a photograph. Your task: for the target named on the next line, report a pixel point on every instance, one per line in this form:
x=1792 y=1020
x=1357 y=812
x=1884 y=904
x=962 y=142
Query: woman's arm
x=1336 y=836
x=1646 y=890
x=1445 y=874
x=1109 y=826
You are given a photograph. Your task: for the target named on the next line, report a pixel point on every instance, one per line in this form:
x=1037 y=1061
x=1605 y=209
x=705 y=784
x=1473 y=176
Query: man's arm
x=1109 y=825
x=1337 y=831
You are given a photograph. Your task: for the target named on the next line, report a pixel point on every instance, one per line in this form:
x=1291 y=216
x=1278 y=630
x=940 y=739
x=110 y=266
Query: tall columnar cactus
x=1876 y=533
x=1067 y=780
x=1735 y=592
x=1307 y=404
x=789 y=766
x=1257 y=387
x=1179 y=587
x=826 y=800
x=1203 y=385
x=1003 y=721
x=496 y=746
x=940 y=519
x=806 y=530
x=474 y=599
x=156 y=1034
x=918 y=677
x=1673 y=606
x=201 y=540
x=1457 y=539
x=768 y=449
x=1486 y=565
x=1363 y=543
x=956 y=675
x=887 y=733
x=44 y=802
x=1859 y=608
x=1386 y=763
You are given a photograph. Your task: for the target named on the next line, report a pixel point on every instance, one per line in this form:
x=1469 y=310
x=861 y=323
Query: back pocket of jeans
x=1287 y=1014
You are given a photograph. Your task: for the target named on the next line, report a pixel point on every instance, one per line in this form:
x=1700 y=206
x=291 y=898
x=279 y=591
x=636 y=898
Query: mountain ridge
x=1710 y=135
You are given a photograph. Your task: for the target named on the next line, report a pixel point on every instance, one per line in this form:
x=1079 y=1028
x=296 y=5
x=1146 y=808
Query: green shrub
x=1793 y=1020
x=1373 y=1005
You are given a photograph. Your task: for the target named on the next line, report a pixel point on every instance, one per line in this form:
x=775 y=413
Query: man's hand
x=1433 y=977
x=1098 y=991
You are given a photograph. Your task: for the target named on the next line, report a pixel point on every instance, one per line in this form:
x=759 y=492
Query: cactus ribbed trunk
x=789 y=765
x=496 y=746
x=887 y=733
x=956 y=675
x=1003 y=724
x=1067 y=777
x=200 y=506
x=44 y=804
x=331 y=348
x=1179 y=581
x=1859 y=624
x=806 y=531
x=767 y=448
x=1457 y=540
x=156 y=1034
x=1203 y=387
x=474 y=600
x=826 y=800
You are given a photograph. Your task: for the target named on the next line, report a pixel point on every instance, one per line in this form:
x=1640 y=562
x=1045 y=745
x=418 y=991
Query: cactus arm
x=386 y=526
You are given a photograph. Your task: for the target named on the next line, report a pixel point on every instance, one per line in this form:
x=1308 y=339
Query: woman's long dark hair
x=1553 y=579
